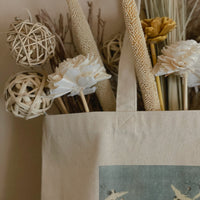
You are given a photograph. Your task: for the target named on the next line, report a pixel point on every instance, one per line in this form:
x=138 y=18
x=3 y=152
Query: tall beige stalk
x=142 y=62
x=86 y=44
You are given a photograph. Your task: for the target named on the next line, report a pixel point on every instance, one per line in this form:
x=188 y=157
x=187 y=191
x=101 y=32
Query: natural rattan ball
x=111 y=52
x=31 y=44
x=26 y=95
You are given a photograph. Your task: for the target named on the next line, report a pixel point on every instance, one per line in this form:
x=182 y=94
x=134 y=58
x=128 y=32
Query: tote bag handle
x=127 y=84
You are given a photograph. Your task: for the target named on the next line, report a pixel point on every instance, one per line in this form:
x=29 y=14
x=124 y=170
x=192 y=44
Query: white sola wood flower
x=180 y=58
x=75 y=75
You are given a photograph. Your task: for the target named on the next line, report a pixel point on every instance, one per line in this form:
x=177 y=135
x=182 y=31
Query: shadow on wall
x=23 y=167
x=20 y=140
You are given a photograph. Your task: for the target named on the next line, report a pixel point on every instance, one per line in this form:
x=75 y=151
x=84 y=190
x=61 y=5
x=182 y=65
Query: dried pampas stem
x=142 y=60
x=85 y=44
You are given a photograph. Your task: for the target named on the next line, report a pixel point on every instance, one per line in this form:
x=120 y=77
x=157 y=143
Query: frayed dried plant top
x=156 y=29
x=31 y=43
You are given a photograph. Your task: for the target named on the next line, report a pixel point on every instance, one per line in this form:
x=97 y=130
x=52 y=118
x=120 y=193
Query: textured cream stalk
x=86 y=44
x=141 y=57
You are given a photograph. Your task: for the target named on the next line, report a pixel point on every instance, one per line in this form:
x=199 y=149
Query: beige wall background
x=20 y=141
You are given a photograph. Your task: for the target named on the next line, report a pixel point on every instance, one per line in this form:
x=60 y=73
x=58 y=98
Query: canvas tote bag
x=125 y=155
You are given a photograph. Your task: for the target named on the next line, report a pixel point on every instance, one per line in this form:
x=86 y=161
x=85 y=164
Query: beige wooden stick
x=153 y=53
x=62 y=105
x=185 y=91
x=84 y=101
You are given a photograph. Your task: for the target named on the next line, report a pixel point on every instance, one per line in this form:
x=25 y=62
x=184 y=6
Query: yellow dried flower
x=156 y=29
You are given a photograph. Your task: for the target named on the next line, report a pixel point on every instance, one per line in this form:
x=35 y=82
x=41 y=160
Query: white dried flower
x=76 y=74
x=179 y=58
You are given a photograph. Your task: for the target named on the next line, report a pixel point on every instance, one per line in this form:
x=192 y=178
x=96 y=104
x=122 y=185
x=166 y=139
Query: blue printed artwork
x=149 y=183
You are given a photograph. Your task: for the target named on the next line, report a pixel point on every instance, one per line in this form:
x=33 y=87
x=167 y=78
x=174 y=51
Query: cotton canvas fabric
x=73 y=154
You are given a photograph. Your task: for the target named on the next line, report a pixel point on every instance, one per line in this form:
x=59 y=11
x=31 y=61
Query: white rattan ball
x=31 y=44
x=26 y=95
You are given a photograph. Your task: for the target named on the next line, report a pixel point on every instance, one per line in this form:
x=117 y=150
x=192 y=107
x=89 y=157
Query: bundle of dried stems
x=176 y=10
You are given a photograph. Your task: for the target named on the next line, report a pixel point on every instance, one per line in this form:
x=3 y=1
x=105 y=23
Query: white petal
x=64 y=83
x=58 y=92
x=86 y=82
x=89 y=90
x=85 y=92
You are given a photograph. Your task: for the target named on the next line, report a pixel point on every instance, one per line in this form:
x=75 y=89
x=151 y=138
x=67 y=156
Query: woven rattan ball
x=26 y=95
x=31 y=44
x=111 y=52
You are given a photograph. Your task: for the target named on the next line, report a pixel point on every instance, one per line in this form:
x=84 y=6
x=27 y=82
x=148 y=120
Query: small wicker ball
x=111 y=51
x=31 y=44
x=26 y=95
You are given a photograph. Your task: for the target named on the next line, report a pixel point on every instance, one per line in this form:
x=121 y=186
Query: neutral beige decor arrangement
x=85 y=44
x=31 y=44
x=26 y=95
x=141 y=57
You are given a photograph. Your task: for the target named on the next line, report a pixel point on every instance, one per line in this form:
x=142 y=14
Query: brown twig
x=72 y=43
x=100 y=29
x=90 y=11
